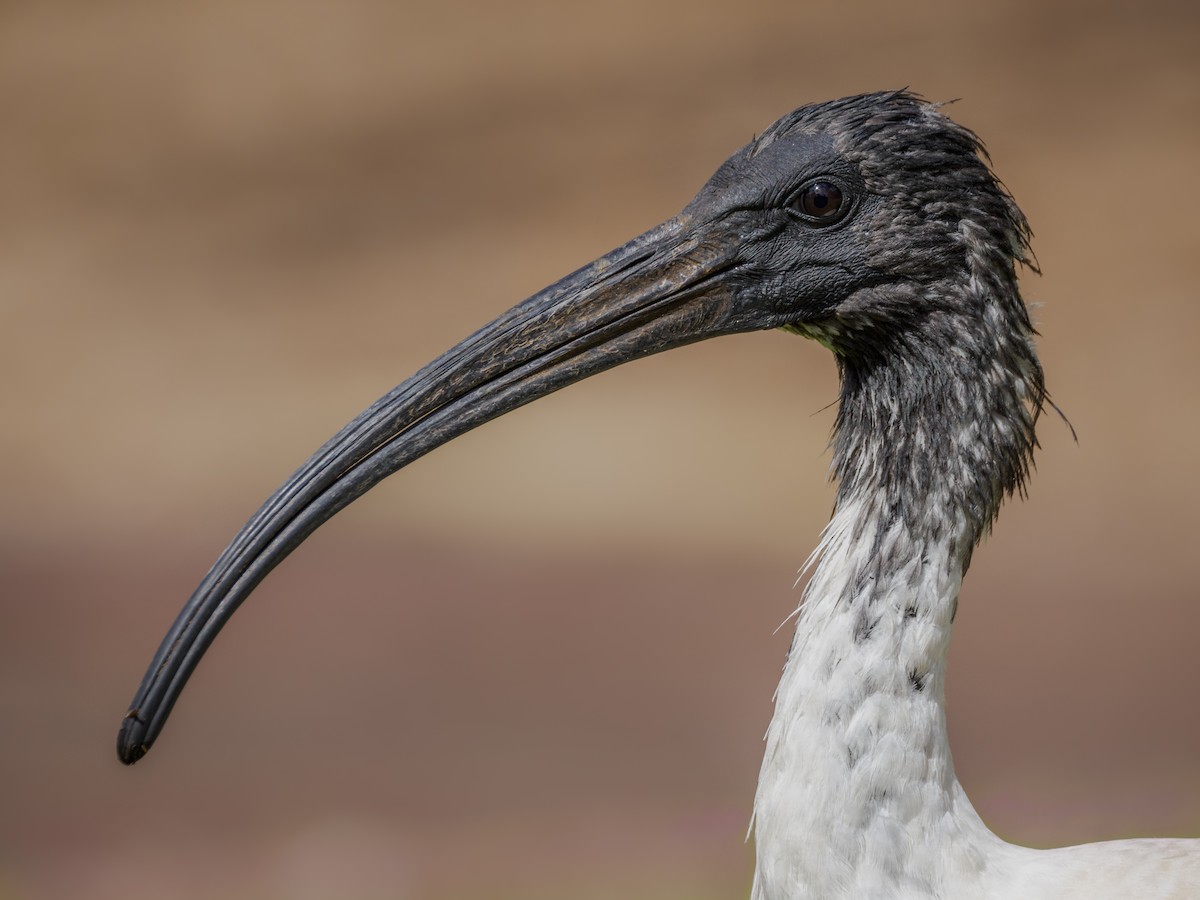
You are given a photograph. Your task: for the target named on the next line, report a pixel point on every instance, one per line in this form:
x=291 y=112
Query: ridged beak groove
x=671 y=286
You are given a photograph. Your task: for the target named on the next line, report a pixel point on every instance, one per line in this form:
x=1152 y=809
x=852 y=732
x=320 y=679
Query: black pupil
x=821 y=200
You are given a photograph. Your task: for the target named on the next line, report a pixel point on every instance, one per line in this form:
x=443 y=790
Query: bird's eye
x=821 y=203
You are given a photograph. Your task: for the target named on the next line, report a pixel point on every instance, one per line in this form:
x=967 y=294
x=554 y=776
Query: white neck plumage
x=857 y=796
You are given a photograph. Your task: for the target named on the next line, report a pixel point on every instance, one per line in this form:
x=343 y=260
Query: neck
x=858 y=795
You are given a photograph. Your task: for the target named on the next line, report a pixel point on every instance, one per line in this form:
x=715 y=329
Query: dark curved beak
x=674 y=285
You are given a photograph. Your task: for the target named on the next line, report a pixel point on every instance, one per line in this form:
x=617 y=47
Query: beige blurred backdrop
x=539 y=663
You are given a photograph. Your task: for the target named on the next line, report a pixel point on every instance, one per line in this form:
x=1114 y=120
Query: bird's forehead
x=764 y=173
x=797 y=154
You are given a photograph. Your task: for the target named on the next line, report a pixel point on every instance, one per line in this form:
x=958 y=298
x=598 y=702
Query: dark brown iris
x=820 y=200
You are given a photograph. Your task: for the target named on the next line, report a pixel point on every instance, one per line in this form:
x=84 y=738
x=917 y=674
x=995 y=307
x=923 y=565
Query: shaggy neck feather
x=858 y=796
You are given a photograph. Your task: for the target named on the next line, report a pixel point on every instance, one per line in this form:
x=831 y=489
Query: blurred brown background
x=539 y=663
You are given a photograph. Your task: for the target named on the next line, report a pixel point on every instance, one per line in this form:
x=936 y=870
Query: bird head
x=868 y=223
x=853 y=221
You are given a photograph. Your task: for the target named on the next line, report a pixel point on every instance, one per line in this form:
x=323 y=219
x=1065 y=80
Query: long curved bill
x=669 y=287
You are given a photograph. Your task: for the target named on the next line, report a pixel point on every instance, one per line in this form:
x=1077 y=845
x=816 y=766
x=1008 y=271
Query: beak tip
x=131 y=743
